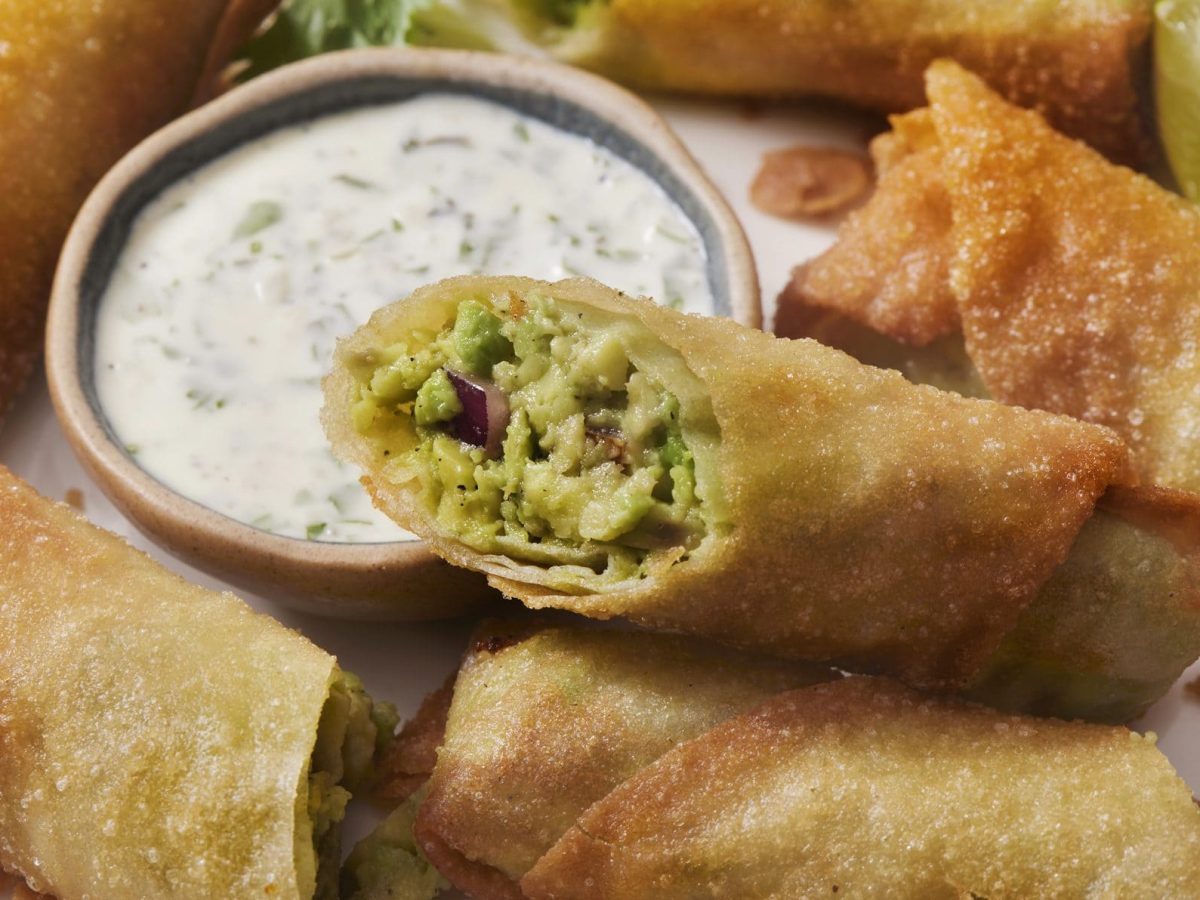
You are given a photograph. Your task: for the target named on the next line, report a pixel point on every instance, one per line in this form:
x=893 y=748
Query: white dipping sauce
x=221 y=315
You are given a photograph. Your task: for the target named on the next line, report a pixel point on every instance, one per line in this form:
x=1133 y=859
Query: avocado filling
x=352 y=733
x=538 y=436
x=388 y=865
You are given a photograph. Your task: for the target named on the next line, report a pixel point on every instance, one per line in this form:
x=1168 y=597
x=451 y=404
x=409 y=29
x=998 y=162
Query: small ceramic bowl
x=400 y=580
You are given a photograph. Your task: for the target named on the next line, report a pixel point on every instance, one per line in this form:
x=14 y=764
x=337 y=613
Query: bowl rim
x=343 y=579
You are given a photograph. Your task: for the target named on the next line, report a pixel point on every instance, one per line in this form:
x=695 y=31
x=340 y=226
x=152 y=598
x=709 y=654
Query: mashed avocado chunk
x=387 y=863
x=353 y=732
x=538 y=436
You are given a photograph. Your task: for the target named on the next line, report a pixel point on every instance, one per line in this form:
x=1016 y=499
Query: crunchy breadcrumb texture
x=871 y=789
x=154 y=735
x=543 y=727
x=80 y=83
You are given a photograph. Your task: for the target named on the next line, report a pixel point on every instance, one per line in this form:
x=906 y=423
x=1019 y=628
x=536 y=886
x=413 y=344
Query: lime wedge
x=1177 y=88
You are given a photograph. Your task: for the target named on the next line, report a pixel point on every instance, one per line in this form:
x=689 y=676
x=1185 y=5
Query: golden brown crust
x=1077 y=280
x=903 y=530
x=80 y=83
x=876 y=790
x=543 y=727
x=1078 y=63
x=473 y=878
x=155 y=735
x=889 y=268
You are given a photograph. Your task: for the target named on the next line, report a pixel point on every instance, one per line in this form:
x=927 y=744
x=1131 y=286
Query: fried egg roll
x=1117 y=623
x=864 y=788
x=80 y=83
x=1070 y=282
x=546 y=721
x=1081 y=62
x=596 y=453
x=158 y=739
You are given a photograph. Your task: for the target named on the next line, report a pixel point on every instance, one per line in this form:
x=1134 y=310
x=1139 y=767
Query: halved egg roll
x=1071 y=282
x=158 y=739
x=546 y=721
x=864 y=788
x=605 y=455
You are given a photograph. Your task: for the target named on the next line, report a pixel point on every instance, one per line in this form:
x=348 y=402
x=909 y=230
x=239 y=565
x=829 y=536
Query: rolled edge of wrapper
x=181 y=696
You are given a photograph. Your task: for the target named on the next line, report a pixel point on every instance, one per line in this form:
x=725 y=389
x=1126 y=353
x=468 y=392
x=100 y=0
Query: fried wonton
x=1075 y=281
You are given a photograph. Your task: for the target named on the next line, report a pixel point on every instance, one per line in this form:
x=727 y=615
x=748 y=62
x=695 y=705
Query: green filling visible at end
x=1107 y=634
x=388 y=864
x=437 y=401
x=593 y=468
x=353 y=732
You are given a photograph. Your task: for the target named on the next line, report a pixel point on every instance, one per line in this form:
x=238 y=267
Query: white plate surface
x=402 y=663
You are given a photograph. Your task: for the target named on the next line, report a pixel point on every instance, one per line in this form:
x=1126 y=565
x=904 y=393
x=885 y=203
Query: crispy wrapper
x=1080 y=63
x=856 y=518
x=1119 y=620
x=1071 y=282
x=890 y=266
x=1077 y=280
x=80 y=83
x=155 y=736
x=863 y=788
x=546 y=721
x=408 y=763
x=1116 y=624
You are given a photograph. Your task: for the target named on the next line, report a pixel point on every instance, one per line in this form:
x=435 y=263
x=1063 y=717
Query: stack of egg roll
x=603 y=764
x=600 y=454
x=1036 y=272
x=80 y=83
x=158 y=739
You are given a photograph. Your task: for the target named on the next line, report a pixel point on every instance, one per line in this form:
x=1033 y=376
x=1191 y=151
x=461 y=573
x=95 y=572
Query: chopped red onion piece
x=484 y=417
